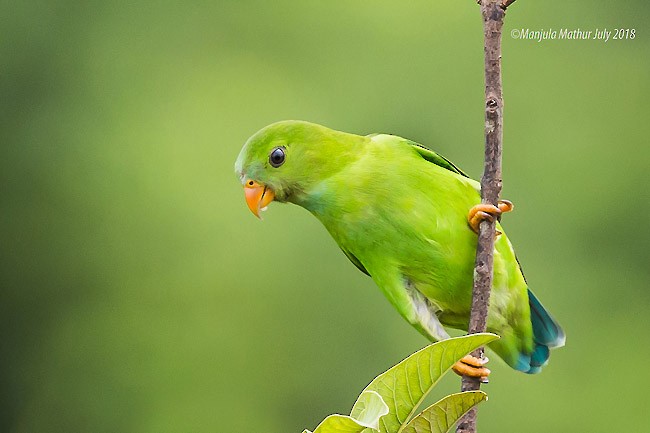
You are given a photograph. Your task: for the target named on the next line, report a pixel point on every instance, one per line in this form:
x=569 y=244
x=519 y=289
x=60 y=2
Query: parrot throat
x=316 y=201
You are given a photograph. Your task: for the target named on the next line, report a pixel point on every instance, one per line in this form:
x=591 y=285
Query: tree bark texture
x=493 y=12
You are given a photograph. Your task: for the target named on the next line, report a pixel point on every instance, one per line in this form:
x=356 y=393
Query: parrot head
x=286 y=160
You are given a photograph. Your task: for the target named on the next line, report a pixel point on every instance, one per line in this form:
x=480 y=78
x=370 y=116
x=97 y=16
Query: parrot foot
x=472 y=367
x=488 y=212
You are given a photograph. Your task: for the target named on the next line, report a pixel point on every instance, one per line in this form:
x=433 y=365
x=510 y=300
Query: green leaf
x=404 y=386
x=339 y=424
x=440 y=417
x=372 y=409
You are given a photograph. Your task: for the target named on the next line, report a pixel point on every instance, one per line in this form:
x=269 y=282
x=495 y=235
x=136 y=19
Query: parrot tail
x=547 y=334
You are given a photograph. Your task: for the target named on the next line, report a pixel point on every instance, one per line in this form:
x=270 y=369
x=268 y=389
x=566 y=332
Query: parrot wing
x=354 y=260
x=428 y=155
x=438 y=160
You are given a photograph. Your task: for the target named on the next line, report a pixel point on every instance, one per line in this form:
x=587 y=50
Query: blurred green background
x=138 y=293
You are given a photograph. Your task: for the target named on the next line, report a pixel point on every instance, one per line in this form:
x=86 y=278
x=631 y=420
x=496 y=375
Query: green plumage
x=399 y=212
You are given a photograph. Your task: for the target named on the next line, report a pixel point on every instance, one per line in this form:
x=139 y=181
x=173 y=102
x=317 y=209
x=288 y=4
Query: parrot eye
x=276 y=158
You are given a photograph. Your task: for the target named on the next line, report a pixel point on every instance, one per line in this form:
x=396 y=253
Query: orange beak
x=258 y=197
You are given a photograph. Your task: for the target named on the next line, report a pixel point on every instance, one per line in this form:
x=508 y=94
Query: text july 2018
x=573 y=34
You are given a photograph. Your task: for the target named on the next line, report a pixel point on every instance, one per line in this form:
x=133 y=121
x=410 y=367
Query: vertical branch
x=493 y=12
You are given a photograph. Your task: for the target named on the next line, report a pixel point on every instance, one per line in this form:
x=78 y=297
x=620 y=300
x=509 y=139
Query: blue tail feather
x=547 y=334
x=546 y=330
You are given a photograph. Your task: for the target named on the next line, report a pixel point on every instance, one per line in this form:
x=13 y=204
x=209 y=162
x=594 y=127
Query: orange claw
x=472 y=367
x=505 y=206
x=488 y=212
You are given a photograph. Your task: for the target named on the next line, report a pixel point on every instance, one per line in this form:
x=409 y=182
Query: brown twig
x=493 y=12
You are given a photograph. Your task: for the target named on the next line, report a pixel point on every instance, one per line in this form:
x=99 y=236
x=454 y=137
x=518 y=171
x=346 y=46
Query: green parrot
x=399 y=212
